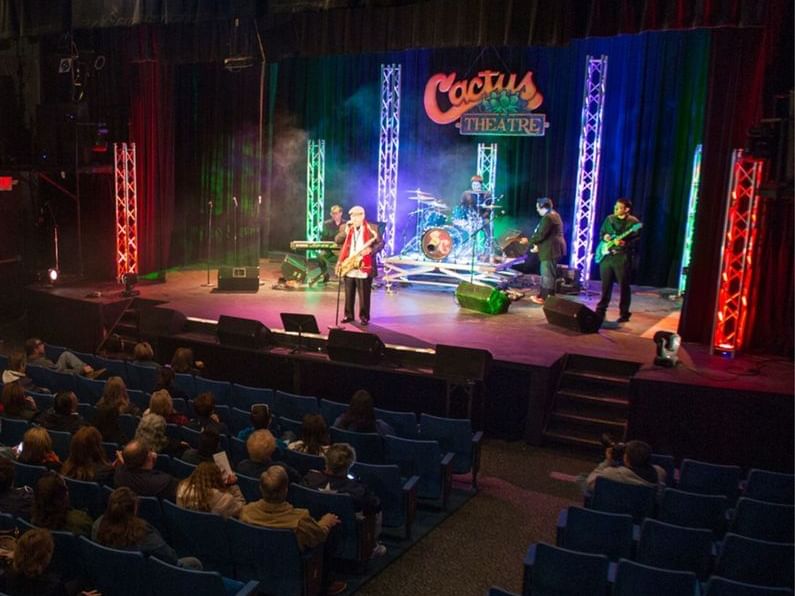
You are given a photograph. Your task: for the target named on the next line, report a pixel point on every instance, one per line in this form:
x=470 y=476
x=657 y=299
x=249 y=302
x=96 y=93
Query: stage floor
x=421 y=317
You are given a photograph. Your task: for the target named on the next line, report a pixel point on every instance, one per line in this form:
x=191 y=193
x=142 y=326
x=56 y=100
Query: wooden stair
x=592 y=398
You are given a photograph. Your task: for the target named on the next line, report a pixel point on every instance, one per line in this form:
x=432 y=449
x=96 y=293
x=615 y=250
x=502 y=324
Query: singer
x=356 y=267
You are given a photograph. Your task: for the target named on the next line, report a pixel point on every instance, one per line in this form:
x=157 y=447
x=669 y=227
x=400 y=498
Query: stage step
x=592 y=398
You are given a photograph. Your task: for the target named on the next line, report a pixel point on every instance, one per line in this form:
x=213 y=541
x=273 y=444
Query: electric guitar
x=605 y=246
x=354 y=260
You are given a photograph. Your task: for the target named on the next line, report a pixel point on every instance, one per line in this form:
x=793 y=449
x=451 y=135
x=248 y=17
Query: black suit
x=548 y=237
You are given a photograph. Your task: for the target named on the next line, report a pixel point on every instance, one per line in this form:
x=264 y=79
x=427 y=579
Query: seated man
x=67 y=362
x=633 y=467
x=138 y=473
x=17 y=501
x=335 y=478
x=273 y=511
x=261 y=446
x=63 y=415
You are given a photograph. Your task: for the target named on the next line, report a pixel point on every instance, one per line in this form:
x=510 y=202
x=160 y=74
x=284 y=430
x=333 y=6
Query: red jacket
x=368 y=261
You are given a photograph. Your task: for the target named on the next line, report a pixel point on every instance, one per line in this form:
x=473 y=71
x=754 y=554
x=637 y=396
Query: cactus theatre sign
x=491 y=103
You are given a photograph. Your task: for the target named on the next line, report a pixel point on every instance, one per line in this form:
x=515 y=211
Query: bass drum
x=439 y=243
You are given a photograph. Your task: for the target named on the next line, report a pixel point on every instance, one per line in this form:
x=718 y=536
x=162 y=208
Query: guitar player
x=617 y=264
x=362 y=242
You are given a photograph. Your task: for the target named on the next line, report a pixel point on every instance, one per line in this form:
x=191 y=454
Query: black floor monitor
x=299 y=323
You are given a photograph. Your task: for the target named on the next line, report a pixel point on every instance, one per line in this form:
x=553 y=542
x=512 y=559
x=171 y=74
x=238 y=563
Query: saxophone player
x=357 y=265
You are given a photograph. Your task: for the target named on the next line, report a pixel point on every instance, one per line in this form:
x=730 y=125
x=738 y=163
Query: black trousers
x=548 y=268
x=615 y=268
x=358 y=286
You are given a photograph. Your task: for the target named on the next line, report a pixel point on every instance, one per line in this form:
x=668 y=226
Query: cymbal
x=422 y=199
x=418 y=192
x=491 y=207
x=438 y=205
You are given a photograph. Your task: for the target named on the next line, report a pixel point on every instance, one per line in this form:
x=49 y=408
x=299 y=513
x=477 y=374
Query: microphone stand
x=209 y=242
x=234 y=228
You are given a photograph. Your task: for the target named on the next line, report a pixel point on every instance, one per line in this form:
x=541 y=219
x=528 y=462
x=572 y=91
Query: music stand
x=300 y=323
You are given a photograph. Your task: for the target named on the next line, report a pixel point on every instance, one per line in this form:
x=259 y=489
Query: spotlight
x=129 y=280
x=52 y=276
x=65 y=65
x=668 y=344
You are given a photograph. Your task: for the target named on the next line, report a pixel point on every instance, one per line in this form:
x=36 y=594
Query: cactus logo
x=491 y=103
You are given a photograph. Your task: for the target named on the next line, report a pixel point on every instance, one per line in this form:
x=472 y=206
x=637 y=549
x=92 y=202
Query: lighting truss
x=126 y=188
x=487 y=169
x=388 y=152
x=315 y=189
x=593 y=102
x=692 y=206
x=737 y=253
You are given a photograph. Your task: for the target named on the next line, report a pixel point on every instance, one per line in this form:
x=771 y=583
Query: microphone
x=210 y=204
x=259 y=199
x=234 y=200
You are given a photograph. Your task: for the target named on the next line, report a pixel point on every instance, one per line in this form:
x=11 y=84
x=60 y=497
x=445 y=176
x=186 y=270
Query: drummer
x=472 y=201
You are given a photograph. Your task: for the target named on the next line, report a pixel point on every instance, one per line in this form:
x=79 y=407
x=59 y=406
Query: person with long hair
x=115 y=395
x=51 y=508
x=360 y=416
x=167 y=379
x=161 y=403
x=87 y=460
x=29 y=572
x=106 y=421
x=314 y=436
x=183 y=362
x=36 y=449
x=120 y=527
x=207 y=490
x=16 y=404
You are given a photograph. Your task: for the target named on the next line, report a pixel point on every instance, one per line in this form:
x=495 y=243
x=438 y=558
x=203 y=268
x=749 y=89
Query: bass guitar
x=605 y=246
x=354 y=260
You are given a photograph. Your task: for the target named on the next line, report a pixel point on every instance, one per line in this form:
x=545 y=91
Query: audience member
x=51 y=508
x=207 y=490
x=115 y=395
x=207 y=446
x=87 y=460
x=166 y=379
x=15 y=373
x=106 y=421
x=16 y=404
x=162 y=404
x=273 y=511
x=144 y=355
x=206 y=417
x=29 y=573
x=314 y=436
x=120 y=527
x=63 y=416
x=634 y=467
x=36 y=449
x=360 y=416
x=183 y=362
x=152 y=432
x=67 y=362
x=137 y=472
x=17 y=501
x=261 y=445
x=260 y=417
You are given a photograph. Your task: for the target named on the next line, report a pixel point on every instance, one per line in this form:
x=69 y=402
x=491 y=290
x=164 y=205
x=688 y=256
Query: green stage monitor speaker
x=300 y=270
x=481 y=298
x=238 y=279
x=571 y=315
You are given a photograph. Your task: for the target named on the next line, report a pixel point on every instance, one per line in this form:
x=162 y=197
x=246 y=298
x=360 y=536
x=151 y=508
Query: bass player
x=356 y=267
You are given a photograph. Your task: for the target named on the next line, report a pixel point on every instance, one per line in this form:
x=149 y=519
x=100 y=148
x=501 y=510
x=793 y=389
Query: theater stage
x=525 y=346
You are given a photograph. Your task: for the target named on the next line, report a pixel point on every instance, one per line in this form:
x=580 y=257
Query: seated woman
x=51 y=508
x=16 y=404
x=106 y=421
x=115 y=395
x=144 y=355
x=120 y=527
x=36 y=449
x=29 y=571
x=314 y=436
x=87 y=460
x=162 y=404
x=183 y=362
x=15 y=373
x=207 y=490
x=360 y=416
x=204 y=406
x=166 y=379
x=151 y=432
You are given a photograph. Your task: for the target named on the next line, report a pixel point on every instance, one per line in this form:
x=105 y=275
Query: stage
x=527 y=350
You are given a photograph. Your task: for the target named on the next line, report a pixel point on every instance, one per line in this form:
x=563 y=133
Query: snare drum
x=439 y=243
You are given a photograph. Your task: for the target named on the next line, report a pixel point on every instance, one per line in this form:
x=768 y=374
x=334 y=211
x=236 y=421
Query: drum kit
x=438 y=240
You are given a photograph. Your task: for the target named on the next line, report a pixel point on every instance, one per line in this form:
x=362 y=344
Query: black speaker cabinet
x=238 y=279
x=571 y=315
x=158 y=321
x=481 y=298
x=356 y=348
x=241 y=333
x=453 y=362
x=300 y=270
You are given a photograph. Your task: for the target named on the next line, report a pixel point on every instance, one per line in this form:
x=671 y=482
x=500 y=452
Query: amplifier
x=238 y=279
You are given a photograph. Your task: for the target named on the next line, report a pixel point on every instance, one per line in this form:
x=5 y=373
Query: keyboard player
x=333 y=230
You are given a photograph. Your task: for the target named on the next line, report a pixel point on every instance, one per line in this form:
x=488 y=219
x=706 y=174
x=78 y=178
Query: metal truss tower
x=126 y=188
x=315 y=189
x=593 y=102
x=388 y=148
x=487 y=168
x=692 y=206
x=737 y=254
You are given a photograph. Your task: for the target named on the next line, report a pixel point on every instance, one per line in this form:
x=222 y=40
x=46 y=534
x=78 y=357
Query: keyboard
x=313 y=245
